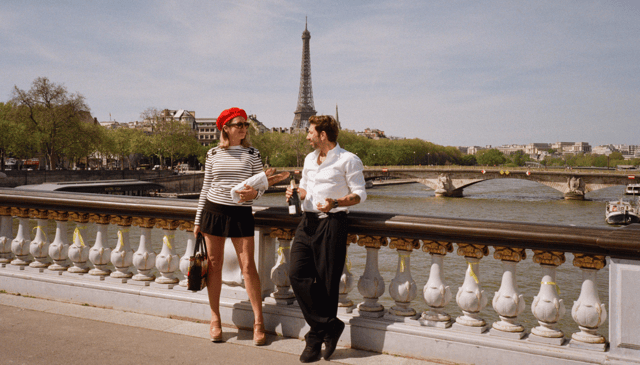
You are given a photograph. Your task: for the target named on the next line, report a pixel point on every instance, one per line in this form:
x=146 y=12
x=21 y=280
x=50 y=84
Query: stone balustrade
x=79 y=265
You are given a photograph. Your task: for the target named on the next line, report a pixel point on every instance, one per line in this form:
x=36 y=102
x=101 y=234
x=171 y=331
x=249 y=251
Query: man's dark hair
x=327 y=124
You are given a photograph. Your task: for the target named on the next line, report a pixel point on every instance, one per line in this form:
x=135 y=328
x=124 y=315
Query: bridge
x=77 y=248
x=450 y=182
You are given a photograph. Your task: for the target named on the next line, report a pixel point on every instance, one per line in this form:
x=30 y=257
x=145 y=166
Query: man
x=332 y=180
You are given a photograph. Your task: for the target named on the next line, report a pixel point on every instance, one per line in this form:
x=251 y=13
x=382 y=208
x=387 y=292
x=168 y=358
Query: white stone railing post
x=144 y=259
x=507 y=301
x=39 y=247
x=191 y=245
x=20 y=244
x=547 y=306
x=280 y=272
x=59 y=248
x=371 y=284
x=402 y=288
x=346 y=280
x=79 y=251
x=167 y=261
x=100 y=253
x=436 y=294
x=6 y=235
x=122 y=255
x=471 y=298
x=588 y=311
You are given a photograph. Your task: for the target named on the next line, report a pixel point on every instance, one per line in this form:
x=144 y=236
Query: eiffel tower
x=305 y=107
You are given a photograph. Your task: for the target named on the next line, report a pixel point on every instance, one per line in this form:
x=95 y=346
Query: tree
x=490 y=157
x=53 y=116
x=15 y=140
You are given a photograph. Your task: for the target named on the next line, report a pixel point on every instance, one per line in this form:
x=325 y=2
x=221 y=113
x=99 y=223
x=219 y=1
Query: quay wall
x=22 y=177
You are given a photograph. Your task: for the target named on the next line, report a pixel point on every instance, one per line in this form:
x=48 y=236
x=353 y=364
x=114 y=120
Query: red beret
x=228 y=115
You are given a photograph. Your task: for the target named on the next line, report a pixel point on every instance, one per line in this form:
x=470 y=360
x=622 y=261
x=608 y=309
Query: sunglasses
x=239 y=125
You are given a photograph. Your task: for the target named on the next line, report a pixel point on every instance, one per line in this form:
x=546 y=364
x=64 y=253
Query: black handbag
x=198 y=265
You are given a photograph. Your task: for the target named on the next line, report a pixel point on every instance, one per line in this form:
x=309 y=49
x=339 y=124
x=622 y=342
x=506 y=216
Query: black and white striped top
x=224 y=169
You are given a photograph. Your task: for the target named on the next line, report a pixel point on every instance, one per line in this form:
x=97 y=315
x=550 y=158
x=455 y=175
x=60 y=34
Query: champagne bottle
x=294 y=201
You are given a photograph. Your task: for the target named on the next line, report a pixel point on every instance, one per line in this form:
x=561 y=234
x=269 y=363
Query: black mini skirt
x=227 y=220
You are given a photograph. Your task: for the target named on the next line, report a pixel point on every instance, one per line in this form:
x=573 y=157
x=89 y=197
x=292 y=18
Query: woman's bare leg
x=215 y=253
x=245 y=249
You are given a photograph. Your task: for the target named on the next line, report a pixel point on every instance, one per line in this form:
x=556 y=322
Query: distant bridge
x=451 y=182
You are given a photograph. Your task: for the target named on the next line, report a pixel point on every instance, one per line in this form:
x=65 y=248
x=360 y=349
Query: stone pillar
x=588 y=311
x=191 y=245
x=507 y=301
x=79 y=251
x=100 y=253
x=346 y=280
x=280 y=272
x=59 y=248
x=167 y=261
x=39 y=247
x=471 y=298
x=403 y=288
x=371 y=284
x=436 y=294
x=20 y=244
x=6 y=235
x=122 y=256
x=547 y=306
x=144 y=259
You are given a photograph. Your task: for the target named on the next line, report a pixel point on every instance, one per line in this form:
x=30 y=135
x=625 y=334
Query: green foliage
x=491 y=157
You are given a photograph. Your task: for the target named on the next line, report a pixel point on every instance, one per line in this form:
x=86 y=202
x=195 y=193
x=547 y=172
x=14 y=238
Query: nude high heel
x=259 y=336
x=215 y=331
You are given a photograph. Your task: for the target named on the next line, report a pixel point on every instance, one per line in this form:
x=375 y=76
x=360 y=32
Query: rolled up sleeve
x=355 y=178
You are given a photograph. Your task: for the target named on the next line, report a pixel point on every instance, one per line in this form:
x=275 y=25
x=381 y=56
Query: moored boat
x=622 y=212
x=632 y=189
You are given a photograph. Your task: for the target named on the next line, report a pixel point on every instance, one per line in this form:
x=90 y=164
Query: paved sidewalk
x=38 y=331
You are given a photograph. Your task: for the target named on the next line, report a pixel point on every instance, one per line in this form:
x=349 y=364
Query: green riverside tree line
x=49 y=121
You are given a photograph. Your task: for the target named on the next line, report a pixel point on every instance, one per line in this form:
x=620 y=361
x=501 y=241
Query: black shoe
x=332 y=337
x=311 y=352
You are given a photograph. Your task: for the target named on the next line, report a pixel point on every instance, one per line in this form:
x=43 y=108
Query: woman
x=218 y=217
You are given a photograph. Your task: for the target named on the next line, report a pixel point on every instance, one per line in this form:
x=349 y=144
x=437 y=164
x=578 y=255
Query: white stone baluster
x=191 y=245
x=547 y=306
x=144 y=259
x=79 y=251
x=371 y=284
x=59 y=248
x=20 y=244
x=39 y=247
x=100 y=253
x=346 y=281
x=280 y=272
x=122 y=256
x=507 y=301
x=436 y=294
x=402 y=288
x=588 y=311
x=6 y=235
x=167 y=261
x=471 y=298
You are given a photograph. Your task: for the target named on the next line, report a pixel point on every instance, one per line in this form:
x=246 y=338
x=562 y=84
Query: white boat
x=622 y=212
x=632 y=189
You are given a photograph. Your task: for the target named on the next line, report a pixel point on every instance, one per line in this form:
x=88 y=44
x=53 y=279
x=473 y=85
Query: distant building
x=603 y=150
x=571 y=147
x=472 y=150
x=511 y=148
x=372 y=133
x=207 y=132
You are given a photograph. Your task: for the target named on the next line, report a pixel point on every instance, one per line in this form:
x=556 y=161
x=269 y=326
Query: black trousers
x=317 y=259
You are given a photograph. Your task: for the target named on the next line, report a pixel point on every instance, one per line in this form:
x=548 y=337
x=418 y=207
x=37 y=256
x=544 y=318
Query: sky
x=455 y=73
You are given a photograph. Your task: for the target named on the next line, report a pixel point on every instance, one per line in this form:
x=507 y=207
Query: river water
x=504 y=199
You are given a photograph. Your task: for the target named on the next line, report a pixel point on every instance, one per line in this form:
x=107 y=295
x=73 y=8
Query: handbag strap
x=201 y=246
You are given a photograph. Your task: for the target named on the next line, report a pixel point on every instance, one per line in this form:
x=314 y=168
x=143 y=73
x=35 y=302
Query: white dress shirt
x=340 y=174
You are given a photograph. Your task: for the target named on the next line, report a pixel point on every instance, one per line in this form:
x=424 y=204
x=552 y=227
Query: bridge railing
x=396 y=328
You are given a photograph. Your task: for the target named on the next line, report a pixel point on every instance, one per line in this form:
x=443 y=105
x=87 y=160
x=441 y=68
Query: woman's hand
x=246 y=194
x=274 y=179
x=196 y=230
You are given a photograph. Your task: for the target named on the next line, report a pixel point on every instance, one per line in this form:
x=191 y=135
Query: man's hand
x=327 y=206
x=246 y=194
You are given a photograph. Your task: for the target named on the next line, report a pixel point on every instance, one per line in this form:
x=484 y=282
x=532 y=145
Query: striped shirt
x=224 y=169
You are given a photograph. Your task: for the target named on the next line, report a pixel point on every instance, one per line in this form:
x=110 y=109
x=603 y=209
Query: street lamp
x=414 y=157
